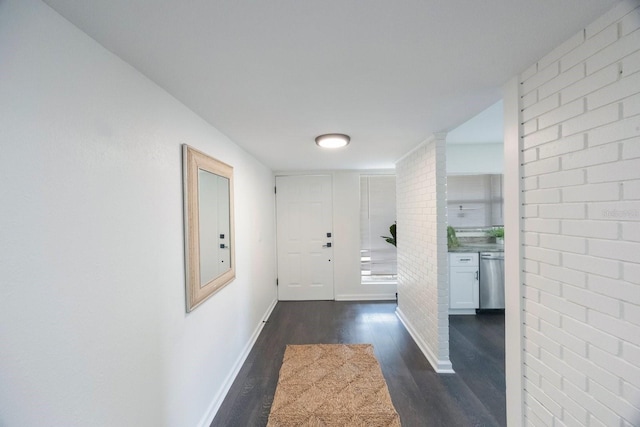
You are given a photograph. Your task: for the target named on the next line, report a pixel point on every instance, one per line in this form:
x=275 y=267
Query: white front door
x=304 y=237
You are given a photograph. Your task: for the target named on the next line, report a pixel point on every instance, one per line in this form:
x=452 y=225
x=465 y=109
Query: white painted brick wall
x=423 y=279
x=580 y=115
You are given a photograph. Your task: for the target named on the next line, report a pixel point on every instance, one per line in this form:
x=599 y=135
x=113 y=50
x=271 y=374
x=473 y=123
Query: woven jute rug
x=332 y=385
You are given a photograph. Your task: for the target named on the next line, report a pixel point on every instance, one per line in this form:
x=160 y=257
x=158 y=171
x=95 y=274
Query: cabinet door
x=463 y=288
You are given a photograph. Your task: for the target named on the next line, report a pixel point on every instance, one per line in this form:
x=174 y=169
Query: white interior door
x=304 y=237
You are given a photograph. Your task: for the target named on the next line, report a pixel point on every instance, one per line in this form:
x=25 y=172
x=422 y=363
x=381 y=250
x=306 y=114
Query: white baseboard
x=212 y=410
x=440 y=366
x=391 y=296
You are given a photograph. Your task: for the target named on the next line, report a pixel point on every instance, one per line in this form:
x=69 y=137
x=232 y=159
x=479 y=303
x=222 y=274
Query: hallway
x=474 y=396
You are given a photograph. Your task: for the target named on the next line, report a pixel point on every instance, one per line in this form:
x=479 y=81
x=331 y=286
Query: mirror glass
x=213 y=211
x=209 y=233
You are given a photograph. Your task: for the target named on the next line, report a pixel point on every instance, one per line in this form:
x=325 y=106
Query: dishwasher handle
x=492 y=255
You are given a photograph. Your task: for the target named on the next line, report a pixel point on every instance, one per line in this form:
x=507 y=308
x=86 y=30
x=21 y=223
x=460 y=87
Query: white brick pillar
x=423 y=280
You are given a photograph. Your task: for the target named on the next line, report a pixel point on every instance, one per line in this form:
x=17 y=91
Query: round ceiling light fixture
x=333 y=140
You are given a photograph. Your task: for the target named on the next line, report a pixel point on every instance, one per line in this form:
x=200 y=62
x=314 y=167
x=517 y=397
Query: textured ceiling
x=272 y=75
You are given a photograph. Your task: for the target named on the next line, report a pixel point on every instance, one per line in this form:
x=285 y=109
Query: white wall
x=423 y=278
x=474 y=159
x=93 y=329
x=581 y=229
x=513 y=322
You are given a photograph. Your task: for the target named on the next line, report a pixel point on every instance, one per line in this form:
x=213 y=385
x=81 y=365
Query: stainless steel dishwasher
x=491 y=280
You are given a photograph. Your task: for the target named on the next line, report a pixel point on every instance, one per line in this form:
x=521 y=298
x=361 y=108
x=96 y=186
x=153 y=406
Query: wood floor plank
x=478 y=358
x=474 y=396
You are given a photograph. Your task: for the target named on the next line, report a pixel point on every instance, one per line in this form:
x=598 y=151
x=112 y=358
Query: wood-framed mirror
x=209 y=225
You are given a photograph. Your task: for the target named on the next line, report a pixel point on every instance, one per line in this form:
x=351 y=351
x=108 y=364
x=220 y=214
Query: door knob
x=328 y=245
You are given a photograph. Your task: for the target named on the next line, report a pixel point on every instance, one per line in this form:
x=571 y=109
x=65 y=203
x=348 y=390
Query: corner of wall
x=513 y=258
x=422 y=249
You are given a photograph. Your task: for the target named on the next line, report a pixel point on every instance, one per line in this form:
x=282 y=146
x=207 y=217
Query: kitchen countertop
x=479 y=247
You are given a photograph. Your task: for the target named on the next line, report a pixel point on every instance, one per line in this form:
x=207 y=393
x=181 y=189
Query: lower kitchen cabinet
x=464 y=290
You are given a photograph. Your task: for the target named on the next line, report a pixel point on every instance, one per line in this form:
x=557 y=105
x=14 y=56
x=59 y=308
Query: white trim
x=215 y=404
x=513 y=260
x=440 y=366
x=367 y=297
x=388 y=171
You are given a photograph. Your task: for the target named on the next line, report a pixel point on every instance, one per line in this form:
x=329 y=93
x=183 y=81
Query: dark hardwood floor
x=473 y=396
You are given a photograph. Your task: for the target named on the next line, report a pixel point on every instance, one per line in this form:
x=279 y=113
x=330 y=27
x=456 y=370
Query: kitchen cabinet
x=464 y=290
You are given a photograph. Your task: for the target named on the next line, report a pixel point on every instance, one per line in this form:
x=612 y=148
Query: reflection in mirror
x=209 y=233
x=213 y=211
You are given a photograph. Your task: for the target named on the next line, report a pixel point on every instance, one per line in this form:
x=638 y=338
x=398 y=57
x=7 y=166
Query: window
x=377 y=214
x=474 y=200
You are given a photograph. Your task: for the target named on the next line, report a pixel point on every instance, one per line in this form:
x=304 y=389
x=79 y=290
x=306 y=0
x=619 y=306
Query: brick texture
x=422 y=245
x=580 y=114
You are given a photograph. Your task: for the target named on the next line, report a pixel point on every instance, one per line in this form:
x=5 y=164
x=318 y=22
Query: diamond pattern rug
x=332 y=385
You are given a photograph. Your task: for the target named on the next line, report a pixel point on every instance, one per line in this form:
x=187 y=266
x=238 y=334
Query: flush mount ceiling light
x=333 y=140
